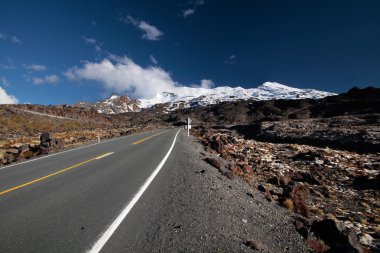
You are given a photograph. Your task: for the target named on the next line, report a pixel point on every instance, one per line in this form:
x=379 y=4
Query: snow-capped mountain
x=184 y=97
x=113 y=105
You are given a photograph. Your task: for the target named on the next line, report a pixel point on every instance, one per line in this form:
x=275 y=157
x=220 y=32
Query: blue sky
x=56 y=52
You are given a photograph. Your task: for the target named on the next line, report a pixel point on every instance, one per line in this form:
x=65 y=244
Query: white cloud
x=37 y=80
x=7 y=67
x=15 y=40
x=94 y=42
x=35 y=67
x=187 y=12
x=231 y=59
x=47 y=79
x=98 y=49
x=4 y=81
x=89 y=40
x=122 y=75
x=52 y=79
x=207 y=84
x=129 y=20
x=153 y=59
x=7 y=99
x=193 y=7
x=150 y=32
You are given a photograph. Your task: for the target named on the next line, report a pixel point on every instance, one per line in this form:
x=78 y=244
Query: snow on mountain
x=184 y=97
x=113 y=105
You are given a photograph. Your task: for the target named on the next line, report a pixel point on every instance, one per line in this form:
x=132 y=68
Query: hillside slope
x=190 y=97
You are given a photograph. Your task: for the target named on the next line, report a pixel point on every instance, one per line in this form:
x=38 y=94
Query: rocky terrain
x=200 y=210
x=246 y=112
x=318 y=158
x=21 y=149
x=29 y=120
x=360 y=133
x=333 y=195
x=28 y=131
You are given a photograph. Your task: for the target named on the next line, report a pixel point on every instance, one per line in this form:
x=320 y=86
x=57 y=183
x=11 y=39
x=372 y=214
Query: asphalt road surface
x=75 y=200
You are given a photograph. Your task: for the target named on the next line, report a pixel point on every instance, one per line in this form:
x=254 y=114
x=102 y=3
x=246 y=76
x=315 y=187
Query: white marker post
x=188 y=126
x=98 y=138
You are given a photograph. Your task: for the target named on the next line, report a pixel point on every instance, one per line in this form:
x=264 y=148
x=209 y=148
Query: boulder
x=45 y=145
x=254 y=245
x=3 y=159
x=45 y=137
x=24 y=147
x=306 y=156
x=213 y=162
x=217 y=145
x=235 y=170
x=42 y=150
x=57 y=143
x=26 y=154
x=337 y=236
x=300 y=195
x=302 y=225
x=13 y=151
x=261 y=188
x=10 y=158
x=16 y=145
x=304 y=176
x=268 y=196
x=276 y=191
x=33 y=145
x=247 y=169
x=280 y=180
x=318 y=245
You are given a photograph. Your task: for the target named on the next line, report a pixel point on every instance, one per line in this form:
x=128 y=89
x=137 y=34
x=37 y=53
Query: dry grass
x=288 y=204
x=17 y=124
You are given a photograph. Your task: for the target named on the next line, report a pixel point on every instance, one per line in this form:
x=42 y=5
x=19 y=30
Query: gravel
x=196 y=209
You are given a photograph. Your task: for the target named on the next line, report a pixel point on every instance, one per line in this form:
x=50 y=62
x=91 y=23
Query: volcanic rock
x=337 y=236
x=45 y=137
x=56 y=143
x=213 y=162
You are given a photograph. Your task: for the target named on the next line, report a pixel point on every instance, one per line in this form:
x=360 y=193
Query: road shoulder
x=191 y=207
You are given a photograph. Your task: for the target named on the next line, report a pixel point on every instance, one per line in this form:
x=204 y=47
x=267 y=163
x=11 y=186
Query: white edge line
x=102 y=156
x=115 y=224
x=85 y=146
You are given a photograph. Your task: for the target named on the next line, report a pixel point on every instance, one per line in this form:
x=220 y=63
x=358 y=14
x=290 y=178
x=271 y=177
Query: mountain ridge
x=113 y=105
x=186 y=97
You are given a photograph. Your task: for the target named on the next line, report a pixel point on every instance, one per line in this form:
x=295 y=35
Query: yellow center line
x=147 y=138
x=53 y=174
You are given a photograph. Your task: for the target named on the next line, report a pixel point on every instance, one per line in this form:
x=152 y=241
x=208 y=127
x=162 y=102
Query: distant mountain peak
x=275 y=85
x=113 y=105
x=184 y=97
x=114 y=97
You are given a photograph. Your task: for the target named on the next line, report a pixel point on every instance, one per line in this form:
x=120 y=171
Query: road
x=74 y=201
